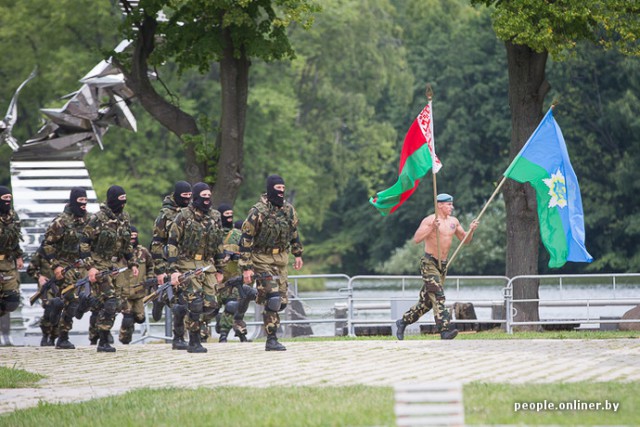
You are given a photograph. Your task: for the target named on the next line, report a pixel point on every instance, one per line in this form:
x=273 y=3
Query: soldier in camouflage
x=171 y=205
x=61 y=248
x=41 y=272
x=269 y=233
x=106 y=242
x=10 y=254
x=233 y=314
x=195 y=241
x=133 y=292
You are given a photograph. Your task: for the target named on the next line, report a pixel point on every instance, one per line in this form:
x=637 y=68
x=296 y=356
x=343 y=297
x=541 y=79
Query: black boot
x=242 y=337
x=52 y=341
x=223 y=337
x=109 y=337
x=273 y=344
x=401 y=325
x=449 y=335
x=93 y=339
x=194 y=343
x=44 y=342
x=103 y=344
x=179 y=343
x=63 y=342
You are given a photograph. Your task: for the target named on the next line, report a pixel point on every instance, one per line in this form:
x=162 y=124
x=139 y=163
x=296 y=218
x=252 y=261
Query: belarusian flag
x=544 y=163
x=417 y=157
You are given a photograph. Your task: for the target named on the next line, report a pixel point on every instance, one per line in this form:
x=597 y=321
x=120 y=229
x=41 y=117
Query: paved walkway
x=335 y=363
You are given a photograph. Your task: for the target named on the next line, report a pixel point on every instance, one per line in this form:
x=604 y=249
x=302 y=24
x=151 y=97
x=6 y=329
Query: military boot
x=223 y=337
x=242 y=337
x=194 y=343
x=179 y=343
x=401 y=325
x=103 y=344
x=52 y=341
x=44 y=342
x=449 y=335
x=93 y=339
x=273 y=344
x=63 y=342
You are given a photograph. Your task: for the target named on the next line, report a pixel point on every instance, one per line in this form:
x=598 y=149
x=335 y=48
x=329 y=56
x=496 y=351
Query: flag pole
x=429 y=95
x=495 y=192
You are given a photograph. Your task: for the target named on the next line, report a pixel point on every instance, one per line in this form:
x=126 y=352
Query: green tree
x=194 y=34
x=531 y=31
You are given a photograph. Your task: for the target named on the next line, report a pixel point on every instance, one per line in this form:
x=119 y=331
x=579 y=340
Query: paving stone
x=328 y=363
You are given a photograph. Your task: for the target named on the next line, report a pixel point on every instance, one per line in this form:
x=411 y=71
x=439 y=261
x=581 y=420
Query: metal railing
x=562 y=281
x=348 y=303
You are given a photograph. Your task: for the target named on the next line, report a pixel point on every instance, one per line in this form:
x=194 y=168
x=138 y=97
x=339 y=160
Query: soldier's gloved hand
x=175 y=278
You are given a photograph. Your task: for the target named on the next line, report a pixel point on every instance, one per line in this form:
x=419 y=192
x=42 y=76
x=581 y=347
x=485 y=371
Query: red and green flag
x=417 y=157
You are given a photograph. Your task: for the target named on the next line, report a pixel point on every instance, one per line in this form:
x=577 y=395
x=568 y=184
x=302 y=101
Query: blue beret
x=444 y=197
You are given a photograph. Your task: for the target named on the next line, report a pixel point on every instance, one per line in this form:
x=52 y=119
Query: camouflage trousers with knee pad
x=276 y=265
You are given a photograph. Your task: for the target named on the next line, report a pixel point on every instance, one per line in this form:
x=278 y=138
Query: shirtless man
x=433 y=267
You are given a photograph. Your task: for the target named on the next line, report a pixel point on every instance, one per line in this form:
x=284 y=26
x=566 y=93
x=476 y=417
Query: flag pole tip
x=429 y=92
x=555 y=102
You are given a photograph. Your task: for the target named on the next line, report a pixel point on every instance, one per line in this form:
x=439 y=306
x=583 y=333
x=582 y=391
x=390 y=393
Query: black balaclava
x=227 y=221
x=77 y=209
x=5 y=205
x=274 y=196
x=134 y=240
x=116 y=205
x=181 y=187
x=201 y=203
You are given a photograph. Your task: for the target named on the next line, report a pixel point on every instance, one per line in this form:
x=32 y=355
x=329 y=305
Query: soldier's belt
x=270 y=251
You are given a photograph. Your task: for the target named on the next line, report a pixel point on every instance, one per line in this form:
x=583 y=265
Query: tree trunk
x=527 y=89
x=167 y=114
x=234 y=80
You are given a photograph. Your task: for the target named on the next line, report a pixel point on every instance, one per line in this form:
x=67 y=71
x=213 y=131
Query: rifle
x=238 y=282
x=233 y=256
x=52 y=283
x=84 y=285
x=167 y=288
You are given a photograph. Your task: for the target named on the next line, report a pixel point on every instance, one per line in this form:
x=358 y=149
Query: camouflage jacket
x=61 y=245
x=38 y=266
x=231 y=247
x=142 y=257
x=161 y=227
x=107 y=238
x=269 y=227
x=10 y=236
x=197 y=236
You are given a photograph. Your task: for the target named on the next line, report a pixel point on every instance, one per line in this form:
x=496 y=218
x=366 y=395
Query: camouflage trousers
x=109 y=300
x=200 y=295
x=70 y=299
x=10 y=286
x=276 y=265
x=431 y=295
x=134 y=308
x=227 y=321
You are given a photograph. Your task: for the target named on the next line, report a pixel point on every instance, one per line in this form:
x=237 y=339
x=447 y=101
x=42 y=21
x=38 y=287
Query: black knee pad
x=10 y=302
x=231 y=307
x=249 y=292
x=195 y=309
x=110 y=307
x=273 y=301
x=127 y=321
x=282 y=306
x=140 y=320
x=179 y=310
